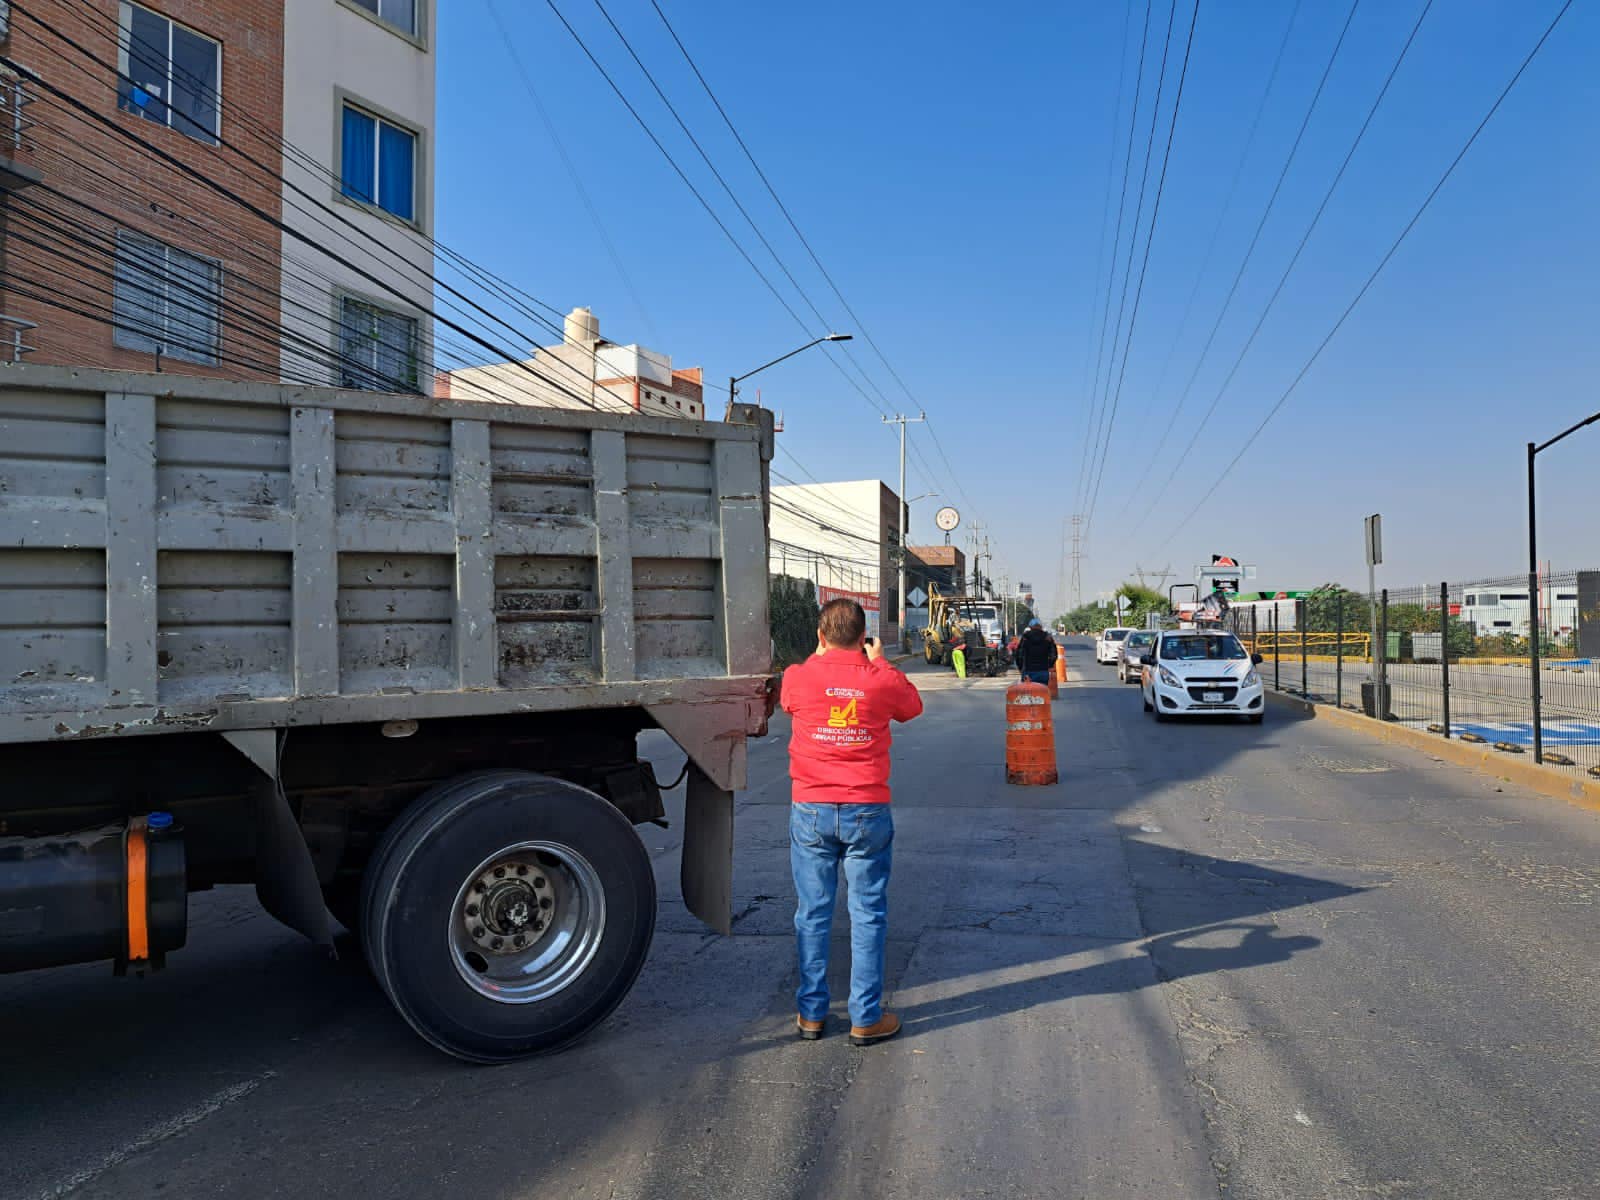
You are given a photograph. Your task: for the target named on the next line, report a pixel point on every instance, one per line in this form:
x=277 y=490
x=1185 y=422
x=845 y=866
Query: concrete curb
x=1547 y=781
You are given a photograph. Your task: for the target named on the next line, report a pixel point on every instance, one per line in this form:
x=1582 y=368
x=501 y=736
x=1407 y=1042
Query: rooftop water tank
x=582 y=327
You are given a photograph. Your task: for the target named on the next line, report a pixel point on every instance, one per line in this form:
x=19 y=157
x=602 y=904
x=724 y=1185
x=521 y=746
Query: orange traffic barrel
x=1030 y=735
x=1055 y=686
x=1061 y=664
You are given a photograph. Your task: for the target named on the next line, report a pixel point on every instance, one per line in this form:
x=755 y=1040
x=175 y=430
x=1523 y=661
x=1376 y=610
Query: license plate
x=1211 y=697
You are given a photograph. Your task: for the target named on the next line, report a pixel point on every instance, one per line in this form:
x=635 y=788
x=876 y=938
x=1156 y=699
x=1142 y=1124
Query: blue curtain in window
x=396 y=161
x=357 y=165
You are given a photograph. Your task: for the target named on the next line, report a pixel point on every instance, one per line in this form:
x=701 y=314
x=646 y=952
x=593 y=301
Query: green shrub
x=794 y=614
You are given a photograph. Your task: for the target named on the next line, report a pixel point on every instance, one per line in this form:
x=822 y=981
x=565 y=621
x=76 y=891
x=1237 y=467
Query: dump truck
x=387 y=659
x=969 y=623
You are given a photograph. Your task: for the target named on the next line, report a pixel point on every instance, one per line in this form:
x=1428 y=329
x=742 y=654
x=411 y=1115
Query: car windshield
x=1116 y=635
x=1199 y=647
x=1139 y=639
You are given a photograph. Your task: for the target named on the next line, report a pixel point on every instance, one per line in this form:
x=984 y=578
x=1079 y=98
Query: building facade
x=843 y=537
x=138 y=235
x=929 y=567
x=159 y=185
x=357 y=192
x=584 y=371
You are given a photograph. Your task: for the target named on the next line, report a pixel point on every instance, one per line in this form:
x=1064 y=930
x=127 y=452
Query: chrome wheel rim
x=527 y=922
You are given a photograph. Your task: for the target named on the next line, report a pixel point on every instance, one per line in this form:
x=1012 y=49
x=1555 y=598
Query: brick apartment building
x=145 y=172
x=584 y=370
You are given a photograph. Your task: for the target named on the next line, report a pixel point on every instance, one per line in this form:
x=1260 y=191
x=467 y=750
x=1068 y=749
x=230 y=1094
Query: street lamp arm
x=1567 y=433
x=830 y=337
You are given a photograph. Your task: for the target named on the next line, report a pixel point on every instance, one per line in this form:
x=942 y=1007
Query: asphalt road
x=1215 y=960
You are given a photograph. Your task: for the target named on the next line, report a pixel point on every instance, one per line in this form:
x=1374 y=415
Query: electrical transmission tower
x=1076 y=585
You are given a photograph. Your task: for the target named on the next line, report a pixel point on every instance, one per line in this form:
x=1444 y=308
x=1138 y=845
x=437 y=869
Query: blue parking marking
x=1520 y=733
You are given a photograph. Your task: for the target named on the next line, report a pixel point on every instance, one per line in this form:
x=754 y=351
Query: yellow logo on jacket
x=843 y=718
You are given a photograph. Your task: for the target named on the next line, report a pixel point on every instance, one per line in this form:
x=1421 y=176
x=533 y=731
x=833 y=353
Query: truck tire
x=507 y=913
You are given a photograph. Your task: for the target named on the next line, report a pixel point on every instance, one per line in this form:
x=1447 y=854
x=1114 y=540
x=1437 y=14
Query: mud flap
x=706 y=872
x=286 y=878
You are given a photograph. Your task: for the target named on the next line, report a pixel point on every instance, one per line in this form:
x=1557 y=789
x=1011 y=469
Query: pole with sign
x=1374 y=529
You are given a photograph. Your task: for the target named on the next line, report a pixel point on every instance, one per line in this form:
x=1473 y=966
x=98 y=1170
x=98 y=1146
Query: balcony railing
x=14 y=100
x=12 y=330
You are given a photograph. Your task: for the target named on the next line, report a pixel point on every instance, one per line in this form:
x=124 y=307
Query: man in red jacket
x=842 y=699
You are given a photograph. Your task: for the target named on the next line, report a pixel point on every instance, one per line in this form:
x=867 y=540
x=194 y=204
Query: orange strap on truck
x=138 y=891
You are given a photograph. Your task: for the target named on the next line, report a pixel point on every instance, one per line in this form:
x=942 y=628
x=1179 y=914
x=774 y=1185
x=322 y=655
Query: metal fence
x=1457 y=659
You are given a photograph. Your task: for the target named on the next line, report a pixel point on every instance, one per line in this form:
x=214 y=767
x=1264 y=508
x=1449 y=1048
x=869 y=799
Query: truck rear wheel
x=507 y=913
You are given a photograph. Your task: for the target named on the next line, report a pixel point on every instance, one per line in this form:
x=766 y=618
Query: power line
x=1383 y=262
x=1295 y=257
x=1116 y=243
x=569 y=165
x=783 y=208
x=1155 y=214
x=1261 y=225
x=1211 y=246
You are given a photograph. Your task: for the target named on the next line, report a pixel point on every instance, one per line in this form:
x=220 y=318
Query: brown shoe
x=809 y=1031
x=867 y=1035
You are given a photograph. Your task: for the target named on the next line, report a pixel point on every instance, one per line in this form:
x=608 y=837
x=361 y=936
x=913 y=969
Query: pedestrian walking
x=842 y=699
x=1036 y=653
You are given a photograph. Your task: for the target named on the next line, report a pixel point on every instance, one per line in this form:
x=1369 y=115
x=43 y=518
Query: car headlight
x=1167 y=677
x=1251 y=679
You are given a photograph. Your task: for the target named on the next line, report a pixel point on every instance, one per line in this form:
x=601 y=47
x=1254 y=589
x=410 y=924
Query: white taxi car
x=1192 y=673
x=1109 y=643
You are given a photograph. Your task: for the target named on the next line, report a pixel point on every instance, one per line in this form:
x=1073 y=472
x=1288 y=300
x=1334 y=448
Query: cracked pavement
x=1214 y=961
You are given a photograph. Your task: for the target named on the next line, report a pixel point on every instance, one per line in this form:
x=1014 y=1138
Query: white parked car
x=1201 y=673
x=1109 y=643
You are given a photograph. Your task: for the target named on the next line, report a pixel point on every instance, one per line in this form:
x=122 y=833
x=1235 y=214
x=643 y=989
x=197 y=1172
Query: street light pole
x=902 y=420
x=1533 y=583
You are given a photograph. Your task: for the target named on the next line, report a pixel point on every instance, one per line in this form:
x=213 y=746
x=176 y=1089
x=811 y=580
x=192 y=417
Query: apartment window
x=1566 y=595
x=377 y=348
x=1520 y=596
x=378 y=163
x=166 y=301
x=1502 y=624
x=402 y=14
x=169 y=74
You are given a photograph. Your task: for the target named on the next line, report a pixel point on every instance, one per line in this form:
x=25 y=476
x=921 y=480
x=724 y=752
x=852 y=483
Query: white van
x=1109 y=642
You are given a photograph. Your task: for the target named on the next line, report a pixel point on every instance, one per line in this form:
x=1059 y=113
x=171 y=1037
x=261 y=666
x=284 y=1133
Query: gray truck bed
x=179 y=553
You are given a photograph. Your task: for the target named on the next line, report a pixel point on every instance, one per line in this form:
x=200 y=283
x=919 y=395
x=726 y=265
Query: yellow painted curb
x=1547 y=781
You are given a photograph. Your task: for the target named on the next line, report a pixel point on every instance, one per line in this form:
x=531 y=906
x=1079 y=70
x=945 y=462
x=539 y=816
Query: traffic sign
x=947 y=518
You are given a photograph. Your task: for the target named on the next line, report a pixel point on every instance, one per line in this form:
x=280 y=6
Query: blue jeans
x=862 y=835
x=1037 y=677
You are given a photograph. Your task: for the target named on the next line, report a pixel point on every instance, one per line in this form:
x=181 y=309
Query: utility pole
x=978 y=543
x=900 y=595
x=1077 y=560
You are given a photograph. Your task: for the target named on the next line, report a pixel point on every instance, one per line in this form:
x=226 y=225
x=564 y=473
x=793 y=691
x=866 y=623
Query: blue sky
x=950 y=169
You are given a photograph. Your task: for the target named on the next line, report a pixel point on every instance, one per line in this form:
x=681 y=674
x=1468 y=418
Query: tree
x=1333 y=609
x=1138 y=601
x=794 y=614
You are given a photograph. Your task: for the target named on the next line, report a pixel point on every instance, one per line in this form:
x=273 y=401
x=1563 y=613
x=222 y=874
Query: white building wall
x=334 y=50
x=840 y=537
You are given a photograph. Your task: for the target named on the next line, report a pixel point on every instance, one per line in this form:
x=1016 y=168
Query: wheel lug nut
x=472 y=910
x=521 y=870
x=478 y=931
x=519 y=940
x=479 y=888
x=538 y=881
x=499 y=872
x=544 y=901
x=497 y=943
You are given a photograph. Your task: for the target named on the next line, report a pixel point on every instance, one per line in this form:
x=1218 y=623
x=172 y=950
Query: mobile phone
x=868 y=641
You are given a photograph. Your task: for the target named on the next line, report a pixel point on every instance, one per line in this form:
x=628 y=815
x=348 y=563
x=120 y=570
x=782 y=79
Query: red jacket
x=842 y=705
